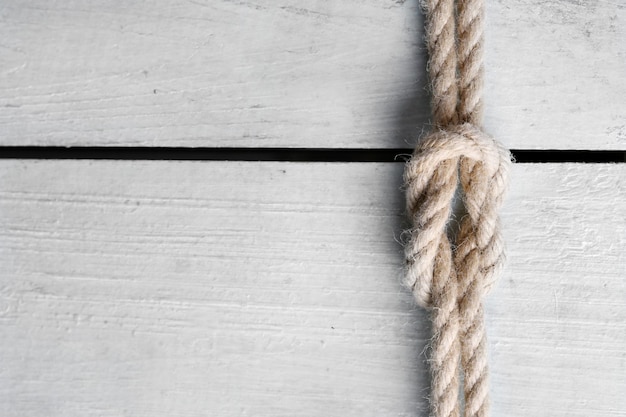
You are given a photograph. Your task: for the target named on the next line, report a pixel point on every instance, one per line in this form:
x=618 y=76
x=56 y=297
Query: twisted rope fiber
x=451 y=278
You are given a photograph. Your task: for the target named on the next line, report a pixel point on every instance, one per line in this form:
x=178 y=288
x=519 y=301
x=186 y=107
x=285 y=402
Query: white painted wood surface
x=272 y=289
x=296 y=73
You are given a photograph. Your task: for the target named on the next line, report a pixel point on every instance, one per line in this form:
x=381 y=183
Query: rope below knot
x=451 y=278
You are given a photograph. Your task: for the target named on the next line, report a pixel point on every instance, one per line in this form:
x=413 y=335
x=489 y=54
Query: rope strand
x=452 y=278
x=442 y=65
x=469 y=30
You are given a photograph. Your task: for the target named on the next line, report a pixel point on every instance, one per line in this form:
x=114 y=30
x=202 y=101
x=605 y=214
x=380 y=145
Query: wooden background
x=224 y=288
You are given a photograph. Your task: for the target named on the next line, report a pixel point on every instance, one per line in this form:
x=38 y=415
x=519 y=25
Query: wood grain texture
x=293 y=73
x=272 y=289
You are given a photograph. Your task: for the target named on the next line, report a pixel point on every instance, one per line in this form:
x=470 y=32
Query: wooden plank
x=172 y=288
x=294 y=73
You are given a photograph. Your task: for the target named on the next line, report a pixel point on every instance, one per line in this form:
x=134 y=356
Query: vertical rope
x=469 y=30
x=442 y=65
x=432 y=244
x=451 y=278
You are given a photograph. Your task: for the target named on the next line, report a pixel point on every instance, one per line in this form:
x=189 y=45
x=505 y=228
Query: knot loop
x=459 y=154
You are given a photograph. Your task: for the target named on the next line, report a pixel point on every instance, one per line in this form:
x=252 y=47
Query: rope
x=451 y=278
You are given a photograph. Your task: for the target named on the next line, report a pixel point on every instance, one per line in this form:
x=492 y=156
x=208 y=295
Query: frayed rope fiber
x=451 y=278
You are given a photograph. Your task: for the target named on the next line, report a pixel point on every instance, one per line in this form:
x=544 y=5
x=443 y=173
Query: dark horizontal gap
x=281 y=154
x=580 y=156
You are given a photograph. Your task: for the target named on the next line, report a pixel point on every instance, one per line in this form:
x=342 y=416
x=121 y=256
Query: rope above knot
x=465 y=154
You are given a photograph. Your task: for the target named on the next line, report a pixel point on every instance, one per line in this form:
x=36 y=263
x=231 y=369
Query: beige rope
x=452 y=278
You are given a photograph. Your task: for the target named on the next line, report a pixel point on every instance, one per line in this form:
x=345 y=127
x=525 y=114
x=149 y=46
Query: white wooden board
x=272 y=289
x=295 y=73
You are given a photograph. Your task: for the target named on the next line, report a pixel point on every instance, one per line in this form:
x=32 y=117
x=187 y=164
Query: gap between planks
x=284 y=154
